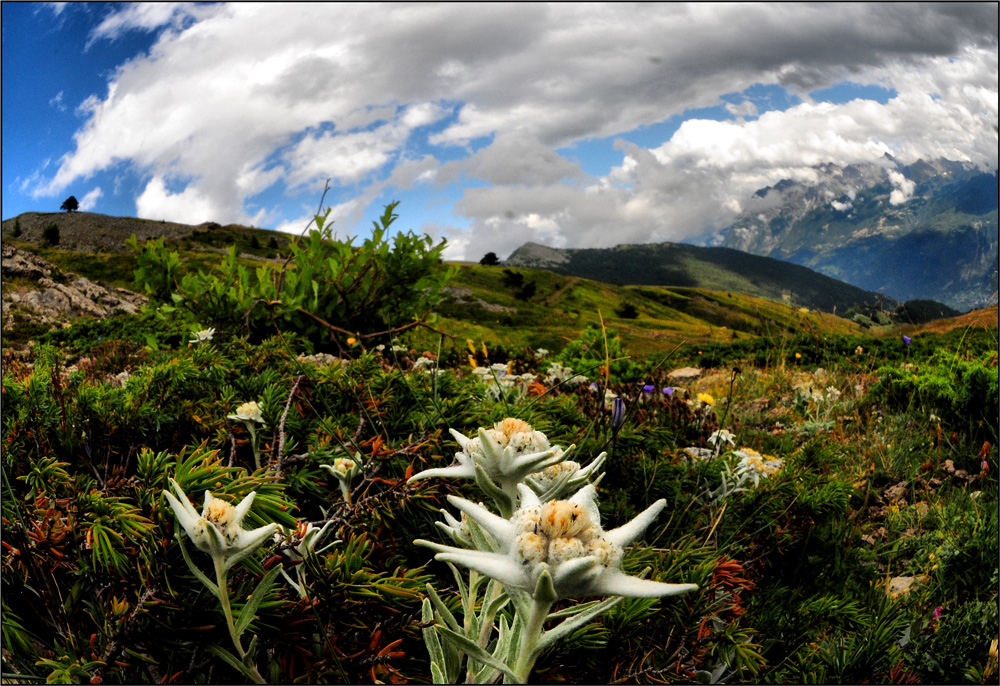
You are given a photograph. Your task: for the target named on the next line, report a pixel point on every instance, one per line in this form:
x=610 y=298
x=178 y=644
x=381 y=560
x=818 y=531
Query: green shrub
x=50 y=235
x=327 y=288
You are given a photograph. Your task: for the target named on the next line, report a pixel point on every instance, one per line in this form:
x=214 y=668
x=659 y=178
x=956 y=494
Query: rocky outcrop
x=537 y=256
x=42 y=293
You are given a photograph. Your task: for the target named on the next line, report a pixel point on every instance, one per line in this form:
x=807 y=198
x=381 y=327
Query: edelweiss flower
x=754 y=466
x=217 y=531
x=722 y=436
x=557 y=549
x=507 y=453
x=609 y=399
x=344 y=470
x=203 y=335
x=248 y=412
x=555 y=481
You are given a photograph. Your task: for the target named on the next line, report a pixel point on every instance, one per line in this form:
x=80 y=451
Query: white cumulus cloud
x=236 y=99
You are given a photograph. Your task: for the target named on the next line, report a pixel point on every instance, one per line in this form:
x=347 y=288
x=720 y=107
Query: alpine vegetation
x=546 y=550
x=297 y=467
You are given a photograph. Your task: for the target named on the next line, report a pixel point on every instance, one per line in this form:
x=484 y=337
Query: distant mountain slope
x=679 y=265
x=923 y=231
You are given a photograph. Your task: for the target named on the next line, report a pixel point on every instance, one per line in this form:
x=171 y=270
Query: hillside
x=90 y=232
x=922 y=231
x=689 y=266
x=483 y=303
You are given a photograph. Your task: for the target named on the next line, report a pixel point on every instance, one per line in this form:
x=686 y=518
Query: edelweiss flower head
x=722 y=436
x=341 y=466
x=248 y=412
x=217 y=531
x=557 y=549
x=344 y=470
x=202 y=336
x=755 y=466
x=507 y=453
x=558 y=374
x=609 y=399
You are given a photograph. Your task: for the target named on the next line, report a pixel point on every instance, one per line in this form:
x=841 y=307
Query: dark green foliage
x=963 y=392
x=490 y=259
x=70 y=204
x=16 y=233
x=50 y=235
x=945 y=648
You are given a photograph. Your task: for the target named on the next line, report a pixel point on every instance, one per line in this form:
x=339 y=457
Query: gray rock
x=50 y=302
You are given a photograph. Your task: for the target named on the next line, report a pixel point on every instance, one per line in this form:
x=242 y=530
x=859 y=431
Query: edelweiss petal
x=494 y=565
x=630 y=532
x=616 y=582
x=465 y=469
x=499 y=527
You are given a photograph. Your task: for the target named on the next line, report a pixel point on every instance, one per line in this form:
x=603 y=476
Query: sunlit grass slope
x=483 y=304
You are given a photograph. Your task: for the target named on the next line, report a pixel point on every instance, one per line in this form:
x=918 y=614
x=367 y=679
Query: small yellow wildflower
x=706 y=398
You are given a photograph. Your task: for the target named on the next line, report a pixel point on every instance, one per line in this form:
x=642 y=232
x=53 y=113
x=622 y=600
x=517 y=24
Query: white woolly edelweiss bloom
x=754 y=466
x=202 y=336
x=217 y=530
x=424 y=363
x=507 y=453
x=248 y=412
x=557 y=549
x=722 y=436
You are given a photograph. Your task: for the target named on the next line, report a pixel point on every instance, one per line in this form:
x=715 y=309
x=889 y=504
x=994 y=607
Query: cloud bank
x=235 y=101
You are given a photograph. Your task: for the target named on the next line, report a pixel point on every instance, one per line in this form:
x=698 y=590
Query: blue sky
x=570 y=125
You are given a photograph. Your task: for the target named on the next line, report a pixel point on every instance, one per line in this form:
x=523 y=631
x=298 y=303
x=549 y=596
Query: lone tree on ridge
x=70 y=204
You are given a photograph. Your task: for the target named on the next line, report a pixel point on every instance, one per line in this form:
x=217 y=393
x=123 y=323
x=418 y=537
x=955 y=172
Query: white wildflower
x=721 y=437
x=217 y=530
x=557 y=549
x=248 y=412
x=753 y=466
x=202 y=336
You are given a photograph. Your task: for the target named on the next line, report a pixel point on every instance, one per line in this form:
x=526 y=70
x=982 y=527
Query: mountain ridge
x=715 y=268
x=922 y=231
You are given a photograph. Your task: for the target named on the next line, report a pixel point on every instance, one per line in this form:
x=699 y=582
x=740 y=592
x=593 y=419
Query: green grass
x=563 y=306
x=792 y=574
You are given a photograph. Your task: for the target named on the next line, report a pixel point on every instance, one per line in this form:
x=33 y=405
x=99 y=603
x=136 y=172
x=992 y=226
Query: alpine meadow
x=319 y=462
x=499 y=343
